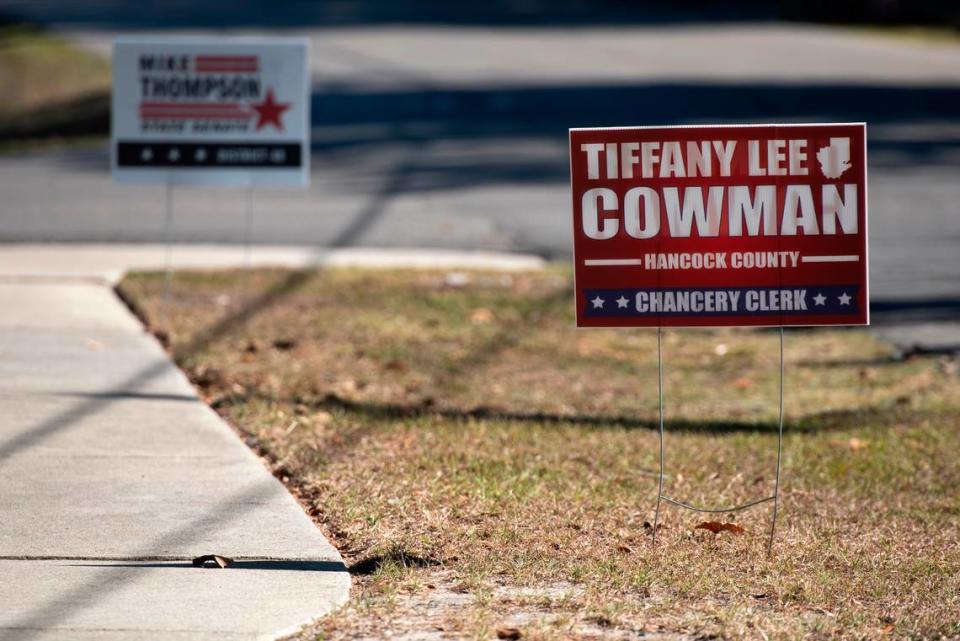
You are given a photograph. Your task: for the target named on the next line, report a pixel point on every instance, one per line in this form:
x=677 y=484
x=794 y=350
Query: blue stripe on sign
x=722 y=301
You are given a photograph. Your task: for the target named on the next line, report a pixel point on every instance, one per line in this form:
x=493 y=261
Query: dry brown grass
x=487 y=468
x=41 y=73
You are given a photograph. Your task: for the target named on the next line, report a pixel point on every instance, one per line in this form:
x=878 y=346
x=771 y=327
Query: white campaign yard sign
x=211 y=111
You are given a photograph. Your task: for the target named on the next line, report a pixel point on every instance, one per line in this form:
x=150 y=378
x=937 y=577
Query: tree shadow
x=260 y=14
x=892 y=311
x=63 y=605
x=505 y=135
x=479 y=121
x=60 y=607
x=373 y=564
x=812 y=423
x=236 y=564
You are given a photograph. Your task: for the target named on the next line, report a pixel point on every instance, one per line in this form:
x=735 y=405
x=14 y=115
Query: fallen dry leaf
x=743 y=383
x=857 y=444
x=222 y=561
x=853 y=444
x=481 y=316
x=284 y=344
x=395 y=365
x=509 y=633
x=717 y=527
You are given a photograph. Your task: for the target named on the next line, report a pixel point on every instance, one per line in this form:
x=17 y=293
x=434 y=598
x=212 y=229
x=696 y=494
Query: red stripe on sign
x=229 y=63
x=226 y=70
x=205 y=57
x=226 y=64
x=194 y=111
x=194 y=116
x=190 y=105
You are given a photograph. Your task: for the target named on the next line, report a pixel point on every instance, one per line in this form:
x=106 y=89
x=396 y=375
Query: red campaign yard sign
x=720 y=225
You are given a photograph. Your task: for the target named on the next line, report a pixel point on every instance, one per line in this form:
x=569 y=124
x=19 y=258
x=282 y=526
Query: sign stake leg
x=656 y=514
x=776 y=487
x=168 y=254
x=247 y=232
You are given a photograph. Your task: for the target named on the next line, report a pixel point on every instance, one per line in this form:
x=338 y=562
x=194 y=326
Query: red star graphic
x=270 y=111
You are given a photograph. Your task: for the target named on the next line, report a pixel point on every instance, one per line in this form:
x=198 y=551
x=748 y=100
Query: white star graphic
x=819 y=299
x=200 y=154
x=146 y=155
x=173 y=155
x=597 y=303
x=844 y=299
x=622 y=301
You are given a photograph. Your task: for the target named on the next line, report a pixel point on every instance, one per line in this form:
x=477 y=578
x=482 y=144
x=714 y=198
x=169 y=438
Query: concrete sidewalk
x=109 y=261
x=115 y=475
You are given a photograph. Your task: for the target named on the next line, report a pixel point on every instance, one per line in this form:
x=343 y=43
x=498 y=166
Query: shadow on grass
x=202 y=339
x=66 y=603
x=843 y=363
x=83 y=116
x=373 y=564
x=832 y=420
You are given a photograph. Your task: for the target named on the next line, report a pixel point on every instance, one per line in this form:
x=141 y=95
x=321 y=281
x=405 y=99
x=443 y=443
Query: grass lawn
x=489 y=471
x=932 y=35
x=47 y=81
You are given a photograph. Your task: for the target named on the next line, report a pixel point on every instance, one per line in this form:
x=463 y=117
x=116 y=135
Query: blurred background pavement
x=442 y=125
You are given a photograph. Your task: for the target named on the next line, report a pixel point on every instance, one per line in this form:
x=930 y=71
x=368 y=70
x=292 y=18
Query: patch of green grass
x=37 y=69
x=481 y=448
x=929 y=34
x=47 y=82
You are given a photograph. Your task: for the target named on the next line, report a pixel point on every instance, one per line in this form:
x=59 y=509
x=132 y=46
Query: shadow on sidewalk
x=287 y=566
x=35 y=622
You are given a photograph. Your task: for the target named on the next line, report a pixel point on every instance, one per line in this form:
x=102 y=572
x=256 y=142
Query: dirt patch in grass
x=51 y=88
x=489 y=471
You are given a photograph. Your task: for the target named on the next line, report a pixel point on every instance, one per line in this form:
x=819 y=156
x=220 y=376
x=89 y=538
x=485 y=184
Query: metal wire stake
x=168 y=254
x=656 y=515
x=776 y=487
x=247 y=229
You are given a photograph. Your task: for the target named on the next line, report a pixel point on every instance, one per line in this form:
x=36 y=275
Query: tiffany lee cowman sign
x=211 y=111
x=720 y=225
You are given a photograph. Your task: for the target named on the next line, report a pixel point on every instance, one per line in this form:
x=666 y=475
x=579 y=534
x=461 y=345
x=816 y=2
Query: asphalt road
x=454 y=135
